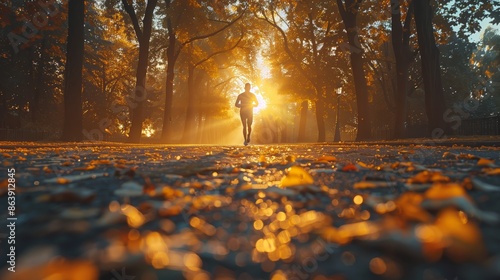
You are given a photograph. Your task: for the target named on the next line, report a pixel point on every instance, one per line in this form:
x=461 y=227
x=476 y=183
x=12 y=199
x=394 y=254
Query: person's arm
x=237 y=104
x=255 y=101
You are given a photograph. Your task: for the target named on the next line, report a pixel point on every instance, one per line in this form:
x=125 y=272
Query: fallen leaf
x=327 y=158
x=445 y=191
x=408 y=205
x=296 y=176
x=290 y=159
x=492 y=171
x=467 y=156
x=464 y=241
x=426 y=176
x=485 y=162
x=350 y=168
x=85 y=168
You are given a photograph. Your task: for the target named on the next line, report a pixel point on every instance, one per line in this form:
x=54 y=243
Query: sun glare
x=262 y=104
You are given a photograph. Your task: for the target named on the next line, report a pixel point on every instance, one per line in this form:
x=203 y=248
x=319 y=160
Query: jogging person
x=246 y=101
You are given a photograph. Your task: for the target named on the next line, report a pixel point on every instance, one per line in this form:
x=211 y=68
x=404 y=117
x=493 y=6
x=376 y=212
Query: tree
x=72 y=130
x=486 y=65
x=401 y=45
x=143 y=36
x=307 y=30
x=349 y=10
x=193 y=65
x=108 y=73
x=181 y=26
x=431 y=71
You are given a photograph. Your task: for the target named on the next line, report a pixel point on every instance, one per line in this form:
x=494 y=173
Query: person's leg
x=244 y=123
x=249 y=123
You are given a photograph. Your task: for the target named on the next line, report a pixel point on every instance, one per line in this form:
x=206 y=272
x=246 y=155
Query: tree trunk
x=349 y=13
x=190 y=111
x=303 y=121
x=402 y=53
x=136 y=101
x=320 y=111
x=169 y=87
x=434 y=95
x=72 y=130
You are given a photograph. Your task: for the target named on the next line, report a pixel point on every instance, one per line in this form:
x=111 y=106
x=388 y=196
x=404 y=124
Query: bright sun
x=262 y=104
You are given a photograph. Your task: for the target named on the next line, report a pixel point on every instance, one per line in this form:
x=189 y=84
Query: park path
x=317 y=211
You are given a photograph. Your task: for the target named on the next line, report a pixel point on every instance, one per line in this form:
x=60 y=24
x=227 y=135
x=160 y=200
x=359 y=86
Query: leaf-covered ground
x=88 y=211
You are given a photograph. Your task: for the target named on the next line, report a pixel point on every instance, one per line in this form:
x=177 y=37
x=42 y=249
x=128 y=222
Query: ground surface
x=86 y=211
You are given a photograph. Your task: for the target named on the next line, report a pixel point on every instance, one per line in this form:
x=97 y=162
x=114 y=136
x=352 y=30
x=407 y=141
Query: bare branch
x=131 y=12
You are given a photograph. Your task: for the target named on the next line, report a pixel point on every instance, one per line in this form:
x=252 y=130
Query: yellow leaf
x=445 y=191
x=296 y=176
x=408 y=205
x=464 y=238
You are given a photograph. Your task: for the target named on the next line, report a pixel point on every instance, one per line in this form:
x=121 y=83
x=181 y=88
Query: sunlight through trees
x=169 y=71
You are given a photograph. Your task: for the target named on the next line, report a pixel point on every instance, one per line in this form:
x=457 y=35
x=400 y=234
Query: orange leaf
x=445 y=191
x=425 y=177
x=350 y=167
x=492 y=172
x=485 y=162
x=327 y=158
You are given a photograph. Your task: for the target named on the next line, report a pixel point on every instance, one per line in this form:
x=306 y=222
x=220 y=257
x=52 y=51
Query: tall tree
x=178 y=25
x=136 y=101
x=431 y=72
x=401 y=45
x=307 y=30
x=72 y=130
x=192 y=85
x=349 y=11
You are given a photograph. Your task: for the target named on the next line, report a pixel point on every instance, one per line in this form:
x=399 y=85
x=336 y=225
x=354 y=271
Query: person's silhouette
x=246 y=101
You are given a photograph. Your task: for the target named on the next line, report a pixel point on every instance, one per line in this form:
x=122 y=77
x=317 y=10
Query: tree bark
x=402 y=53
x=434 y=95
x=136 y=101
x=169 y=86
x=303 y=121
x=349 y=13
x=73 y=120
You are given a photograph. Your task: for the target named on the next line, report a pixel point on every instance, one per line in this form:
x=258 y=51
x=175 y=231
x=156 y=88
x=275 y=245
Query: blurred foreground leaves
x=256 y=211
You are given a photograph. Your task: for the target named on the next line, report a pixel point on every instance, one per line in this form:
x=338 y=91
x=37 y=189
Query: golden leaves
x=426 y=176
x=296 y=176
